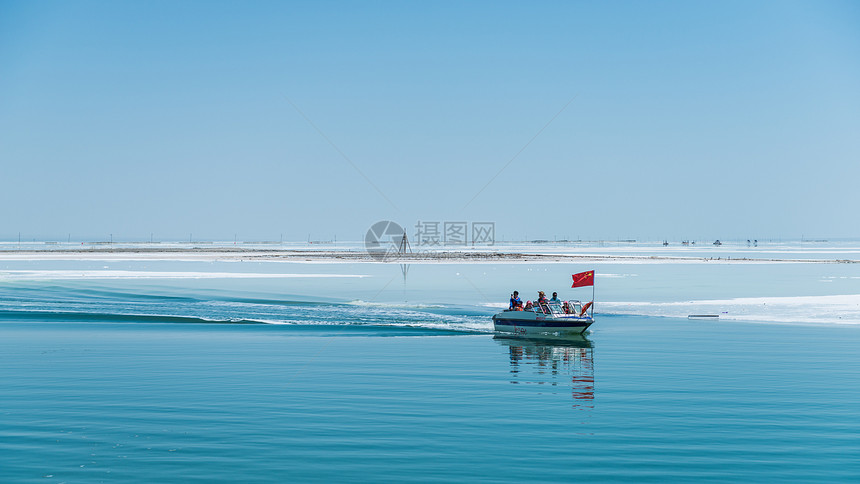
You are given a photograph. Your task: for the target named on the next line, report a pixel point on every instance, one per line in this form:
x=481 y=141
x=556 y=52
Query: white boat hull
x=528 y=322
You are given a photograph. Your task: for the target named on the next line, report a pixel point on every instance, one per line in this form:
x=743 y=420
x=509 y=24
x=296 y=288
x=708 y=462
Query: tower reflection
x=553 y=361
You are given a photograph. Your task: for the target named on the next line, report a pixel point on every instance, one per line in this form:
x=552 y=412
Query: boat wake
x=60 y=304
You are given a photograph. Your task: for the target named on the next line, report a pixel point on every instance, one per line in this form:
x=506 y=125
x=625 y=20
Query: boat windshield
x=548 y=308
x=574 y=307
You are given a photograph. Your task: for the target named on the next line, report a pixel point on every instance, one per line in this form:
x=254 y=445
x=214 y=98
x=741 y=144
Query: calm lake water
x=108 y=373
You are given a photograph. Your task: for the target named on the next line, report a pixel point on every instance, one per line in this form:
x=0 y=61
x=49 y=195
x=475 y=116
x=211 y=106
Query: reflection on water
x=554 y=361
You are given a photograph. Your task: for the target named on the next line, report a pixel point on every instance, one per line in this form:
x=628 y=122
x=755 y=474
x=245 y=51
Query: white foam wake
x=359 y=302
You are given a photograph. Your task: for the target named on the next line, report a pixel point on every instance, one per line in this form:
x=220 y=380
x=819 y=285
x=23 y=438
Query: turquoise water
x=112 y=374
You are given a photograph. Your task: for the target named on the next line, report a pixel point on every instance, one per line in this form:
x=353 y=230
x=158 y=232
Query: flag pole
x=594 y=277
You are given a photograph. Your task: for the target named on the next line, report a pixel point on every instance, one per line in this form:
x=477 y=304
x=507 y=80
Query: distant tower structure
x=404 y=248
x=404 y=245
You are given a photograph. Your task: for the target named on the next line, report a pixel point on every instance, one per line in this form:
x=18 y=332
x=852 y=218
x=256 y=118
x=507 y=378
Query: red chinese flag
x=583 y=279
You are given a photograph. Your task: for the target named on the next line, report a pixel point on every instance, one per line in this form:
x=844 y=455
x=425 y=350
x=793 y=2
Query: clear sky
x=729 y=119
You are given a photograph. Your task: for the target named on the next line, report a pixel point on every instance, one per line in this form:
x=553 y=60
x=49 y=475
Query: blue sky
x=688 y=119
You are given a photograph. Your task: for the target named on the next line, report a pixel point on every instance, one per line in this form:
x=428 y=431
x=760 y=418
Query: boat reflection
x=554 y=361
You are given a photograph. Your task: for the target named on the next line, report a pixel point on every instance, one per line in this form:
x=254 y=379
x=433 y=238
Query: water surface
x=168 y=371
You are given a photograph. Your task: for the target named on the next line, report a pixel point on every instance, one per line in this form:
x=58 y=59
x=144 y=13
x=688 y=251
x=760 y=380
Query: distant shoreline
x=359 y=256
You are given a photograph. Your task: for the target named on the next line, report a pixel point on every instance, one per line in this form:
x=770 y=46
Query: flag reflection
x=555 y=362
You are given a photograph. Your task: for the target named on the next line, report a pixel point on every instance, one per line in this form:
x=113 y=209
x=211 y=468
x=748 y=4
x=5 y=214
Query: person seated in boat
x=566 y=307
x=529 y=306
x=542 y=301
x=555 y=298
x=516 y=302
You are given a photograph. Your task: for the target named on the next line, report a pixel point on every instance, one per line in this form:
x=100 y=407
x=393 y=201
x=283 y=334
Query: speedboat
x=551 y=318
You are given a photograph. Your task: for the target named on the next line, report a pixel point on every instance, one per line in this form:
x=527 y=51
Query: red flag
x=583 y=279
